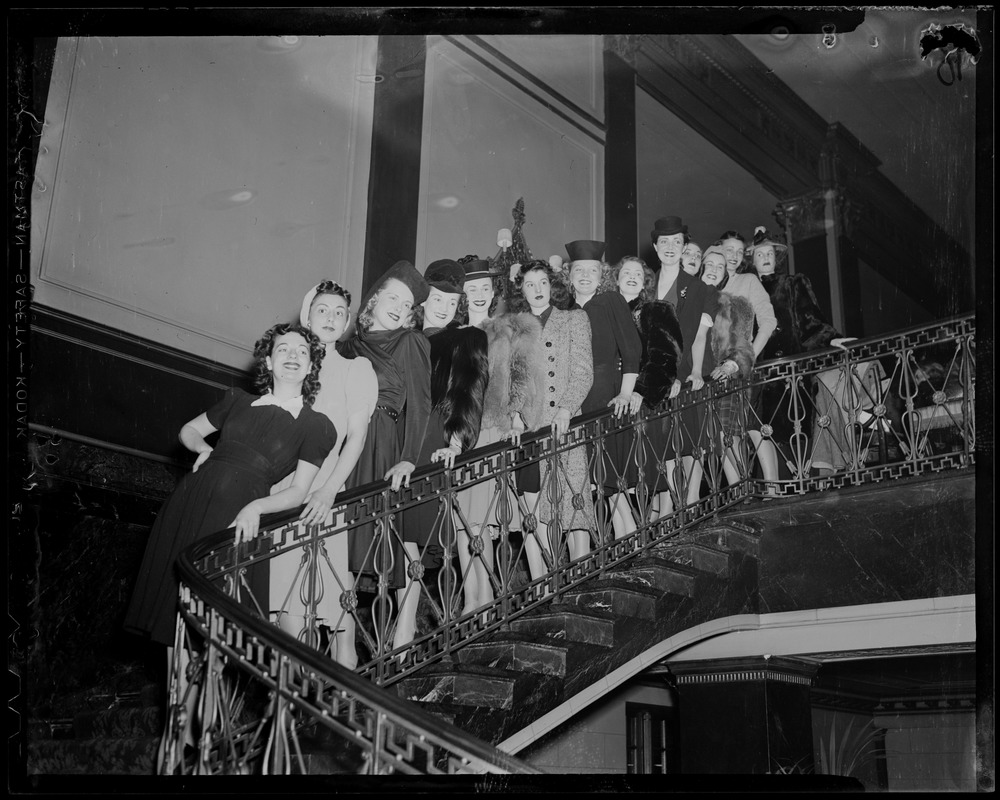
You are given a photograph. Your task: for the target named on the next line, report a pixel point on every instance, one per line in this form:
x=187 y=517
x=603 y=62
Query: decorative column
x=745 y=715
x=820 y=228
x=621 y=213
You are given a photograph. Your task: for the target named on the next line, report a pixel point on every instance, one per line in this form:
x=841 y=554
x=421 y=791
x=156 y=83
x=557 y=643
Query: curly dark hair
x=461 y=313
x=263 y=381
x=559 y=297
x=332 y=287
x=648 y=277
x=745 y=264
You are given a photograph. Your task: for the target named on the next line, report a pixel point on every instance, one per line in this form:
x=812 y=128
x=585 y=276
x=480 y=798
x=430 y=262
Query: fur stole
x=458 y=381
x=515 y=377
x=662 y=345
x=733 y=331
x=801 y=325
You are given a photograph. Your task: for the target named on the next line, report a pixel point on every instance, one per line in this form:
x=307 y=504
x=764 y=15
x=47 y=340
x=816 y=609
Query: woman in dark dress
x=402 y=363
x=262 y=440
x=458 y=382
x=662 y=343
x=616 y=349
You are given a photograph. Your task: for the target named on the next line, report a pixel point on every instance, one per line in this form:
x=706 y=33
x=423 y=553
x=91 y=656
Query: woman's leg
x=483 y=565
x=467 y=563
x=621 y=515
x=693 y=469
x=407 y=598
x=579 y=543
x=536 y=542
x=767 y=455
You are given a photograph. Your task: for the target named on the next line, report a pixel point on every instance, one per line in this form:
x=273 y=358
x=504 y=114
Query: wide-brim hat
x=478 y=268
x=585 y=250
x=667 y=226
x=445 y=275
x=761 y=237
x=406 y=273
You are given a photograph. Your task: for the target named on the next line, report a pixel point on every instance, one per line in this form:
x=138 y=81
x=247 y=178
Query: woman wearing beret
x=458 y=382
x=401 y=359
x=511 y=405
x=617 y=350
x=696 y=305
x=347 y=396
x=568 y=374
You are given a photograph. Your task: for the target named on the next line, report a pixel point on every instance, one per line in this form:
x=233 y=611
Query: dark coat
x=694 y=298
x=801 y=325
x=662 y=346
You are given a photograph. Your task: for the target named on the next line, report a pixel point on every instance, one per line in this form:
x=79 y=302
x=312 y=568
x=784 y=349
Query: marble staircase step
x=616 y=596
x=468 y=685
x=518 y=652
x=664 y=575
x=702 y=555
x=732 y=535
x=569 y=623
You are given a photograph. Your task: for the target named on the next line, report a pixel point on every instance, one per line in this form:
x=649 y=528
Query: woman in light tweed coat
x=568 y=373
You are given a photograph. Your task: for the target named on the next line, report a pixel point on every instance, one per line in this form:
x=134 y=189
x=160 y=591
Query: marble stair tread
x=521 y=653
x=732 y=535
x=702 y=555
x=569 y=623
x=653 y=572
x=617 y=597
x=468 y=684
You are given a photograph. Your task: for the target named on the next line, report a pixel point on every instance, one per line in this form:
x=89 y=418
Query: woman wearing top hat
x=347 y=396
x=568 y=372
x=696 y=305
x=512 y=404
x=458 y=382
x=401 y=359
x=617 y=350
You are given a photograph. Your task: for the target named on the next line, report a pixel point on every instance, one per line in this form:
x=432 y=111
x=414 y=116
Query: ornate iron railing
x=882 y=408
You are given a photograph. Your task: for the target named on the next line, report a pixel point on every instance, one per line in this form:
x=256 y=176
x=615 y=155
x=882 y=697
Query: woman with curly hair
x=261 y=440
x=569 y=372
x=401 y=357
x=617 y=350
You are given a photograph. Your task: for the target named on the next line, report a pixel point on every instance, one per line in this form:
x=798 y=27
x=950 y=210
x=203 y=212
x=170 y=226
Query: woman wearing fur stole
x=512 y=404
x=732 y=346
x=458 y=383
x=662 y=345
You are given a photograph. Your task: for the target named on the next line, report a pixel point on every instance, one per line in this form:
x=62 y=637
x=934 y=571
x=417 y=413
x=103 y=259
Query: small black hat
x=667 y=226
x=479 y=268
x=445 y=275
x=585 y=250
x=405 y=272
x=761 y=237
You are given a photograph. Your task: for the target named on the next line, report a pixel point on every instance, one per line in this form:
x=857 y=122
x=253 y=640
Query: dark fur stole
x=732 y=332
x=662 y=344
x=459 y=372
x=515 y=376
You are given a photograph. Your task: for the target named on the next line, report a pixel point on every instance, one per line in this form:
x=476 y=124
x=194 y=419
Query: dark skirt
x=364 y=552
x=203 y=503
x=430 y=525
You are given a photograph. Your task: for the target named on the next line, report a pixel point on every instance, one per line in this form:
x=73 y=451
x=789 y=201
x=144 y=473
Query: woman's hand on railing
x=318 y=505
x=399 y=475
x=447 y=455
x=675 y=389
x=726 y=369
x=626 y=402
x=560 y=425
x=842 y=343
x=201 y=459
x=247 y=522
x=516 y=429
x=696 y=381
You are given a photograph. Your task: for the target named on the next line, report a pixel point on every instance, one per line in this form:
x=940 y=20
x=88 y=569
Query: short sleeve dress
x=258 y=445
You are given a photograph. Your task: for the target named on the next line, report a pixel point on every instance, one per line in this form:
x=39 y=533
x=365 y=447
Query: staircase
x=499 y=685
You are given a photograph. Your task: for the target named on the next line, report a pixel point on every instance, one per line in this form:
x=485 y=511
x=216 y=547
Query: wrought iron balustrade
x=882 y=408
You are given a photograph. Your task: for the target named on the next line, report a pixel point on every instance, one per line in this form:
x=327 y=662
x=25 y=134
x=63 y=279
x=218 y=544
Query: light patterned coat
x=568 y=369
